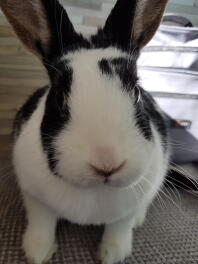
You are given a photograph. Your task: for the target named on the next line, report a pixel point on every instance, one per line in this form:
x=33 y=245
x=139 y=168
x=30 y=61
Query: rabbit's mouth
x=94 y=183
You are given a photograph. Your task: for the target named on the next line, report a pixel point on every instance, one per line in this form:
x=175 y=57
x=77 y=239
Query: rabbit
x=91 y=147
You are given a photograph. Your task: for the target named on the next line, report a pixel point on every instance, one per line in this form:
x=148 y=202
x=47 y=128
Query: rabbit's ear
x=42 y=25
x=132 y=23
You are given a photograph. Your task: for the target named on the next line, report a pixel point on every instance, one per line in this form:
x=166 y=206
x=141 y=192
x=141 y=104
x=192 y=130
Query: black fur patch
x=57 y=113
x=117 y=29
x=26 y=111
x=101 y=40
x=124 y=68
x=149 y=110
x=63 y=36
x=105 y=67
x=143 y=120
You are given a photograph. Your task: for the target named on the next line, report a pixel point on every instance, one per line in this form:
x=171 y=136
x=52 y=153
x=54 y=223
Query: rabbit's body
x=91 y=147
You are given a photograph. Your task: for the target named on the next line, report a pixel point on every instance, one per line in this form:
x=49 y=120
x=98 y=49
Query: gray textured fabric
x=170 y=234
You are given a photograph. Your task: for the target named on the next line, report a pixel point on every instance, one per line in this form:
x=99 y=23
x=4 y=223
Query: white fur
x=116 y=242
x=102 y=117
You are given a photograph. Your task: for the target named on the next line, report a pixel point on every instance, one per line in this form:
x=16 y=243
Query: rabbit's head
x=94 y=129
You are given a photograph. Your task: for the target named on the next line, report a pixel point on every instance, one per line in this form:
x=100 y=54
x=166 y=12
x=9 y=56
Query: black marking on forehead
x=57 y=113
x=105 y=67
x=123 y=67
x=126 y=70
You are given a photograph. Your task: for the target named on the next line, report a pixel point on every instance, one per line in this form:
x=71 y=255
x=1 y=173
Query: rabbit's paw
x=113 y=251
x=38 y=249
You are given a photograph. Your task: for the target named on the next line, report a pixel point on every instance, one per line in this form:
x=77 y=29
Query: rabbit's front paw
x=38 y=248
x=114 y=251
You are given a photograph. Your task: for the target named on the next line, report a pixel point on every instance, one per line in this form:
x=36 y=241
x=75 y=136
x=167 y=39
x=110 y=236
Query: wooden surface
x=20 y=74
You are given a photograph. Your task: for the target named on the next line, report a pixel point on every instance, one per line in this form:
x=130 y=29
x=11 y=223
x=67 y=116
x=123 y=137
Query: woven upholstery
x=170 y=234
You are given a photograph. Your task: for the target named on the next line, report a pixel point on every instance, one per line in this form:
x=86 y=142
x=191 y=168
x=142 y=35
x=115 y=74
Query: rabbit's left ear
x=42 y=25
x=132 y=23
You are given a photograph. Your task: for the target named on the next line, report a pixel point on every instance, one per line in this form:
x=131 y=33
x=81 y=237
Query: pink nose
x=107 y=172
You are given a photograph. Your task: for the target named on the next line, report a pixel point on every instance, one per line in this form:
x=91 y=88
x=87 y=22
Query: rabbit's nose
x=106 y=161
x=107 y=172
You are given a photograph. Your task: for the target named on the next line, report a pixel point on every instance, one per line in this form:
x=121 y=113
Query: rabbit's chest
x=97 y=207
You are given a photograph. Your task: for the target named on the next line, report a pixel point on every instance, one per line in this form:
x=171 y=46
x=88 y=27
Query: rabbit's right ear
x=132 y=23
x=42 y=25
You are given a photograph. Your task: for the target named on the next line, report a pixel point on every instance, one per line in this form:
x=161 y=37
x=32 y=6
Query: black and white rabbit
x=91 y=147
